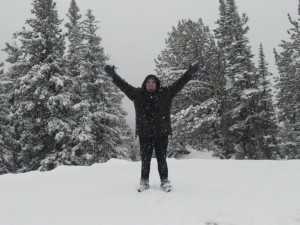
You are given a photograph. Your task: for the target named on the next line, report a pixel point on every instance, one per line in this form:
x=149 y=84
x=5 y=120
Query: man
x=153 y=122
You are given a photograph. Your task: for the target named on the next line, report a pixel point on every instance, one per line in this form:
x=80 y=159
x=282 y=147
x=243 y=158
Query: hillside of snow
x=205 y=192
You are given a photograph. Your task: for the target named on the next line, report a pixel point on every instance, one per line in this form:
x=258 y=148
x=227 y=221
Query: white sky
x=134 y=31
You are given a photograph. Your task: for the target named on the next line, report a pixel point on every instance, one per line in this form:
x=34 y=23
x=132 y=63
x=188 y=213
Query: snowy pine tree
x=100 y=131
x=63 y=109
x=4 y=131
x=194 y=109
x=17 y=68
x=240 y=90
x=8 y=143
x=41 y=95
x=1 y=69
x=118 y=137
x=265 y=121
x=224 y=139
x=288 y=64
x=75 y=38
x=3 y=153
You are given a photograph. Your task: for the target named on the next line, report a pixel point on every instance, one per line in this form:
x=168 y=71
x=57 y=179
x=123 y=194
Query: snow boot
x=144 y=185
x=166 y=185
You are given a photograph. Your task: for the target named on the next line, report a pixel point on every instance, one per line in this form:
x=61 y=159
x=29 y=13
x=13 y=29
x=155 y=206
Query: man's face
x=150 y=85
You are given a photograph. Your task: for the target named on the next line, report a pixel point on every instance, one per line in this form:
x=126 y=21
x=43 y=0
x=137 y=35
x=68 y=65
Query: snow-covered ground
x=206 y=192
x=194 y=154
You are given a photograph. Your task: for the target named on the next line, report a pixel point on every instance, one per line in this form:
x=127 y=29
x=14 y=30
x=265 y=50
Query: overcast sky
x=134 y=31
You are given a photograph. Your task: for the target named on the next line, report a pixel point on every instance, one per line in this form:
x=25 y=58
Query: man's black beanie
x=151 y=76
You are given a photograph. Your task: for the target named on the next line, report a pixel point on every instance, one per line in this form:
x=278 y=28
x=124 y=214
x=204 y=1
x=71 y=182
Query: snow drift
x=205 y=191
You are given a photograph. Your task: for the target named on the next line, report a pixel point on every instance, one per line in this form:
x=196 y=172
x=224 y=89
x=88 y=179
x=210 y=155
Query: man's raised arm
x=129 y=90
x=177 y=85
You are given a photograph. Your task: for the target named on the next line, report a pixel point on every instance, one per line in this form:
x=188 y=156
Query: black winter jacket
x=152 y=109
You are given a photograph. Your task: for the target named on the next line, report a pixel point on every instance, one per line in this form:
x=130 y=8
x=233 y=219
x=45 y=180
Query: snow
x=29 y=105
x=59 y=136
x=194 y=154
x=249 y=91
x=57 y=81
x=184 y=112
x=54 y=124
x=205 y=192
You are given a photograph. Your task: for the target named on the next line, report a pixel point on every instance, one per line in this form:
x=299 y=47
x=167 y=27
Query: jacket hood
x=151 y=76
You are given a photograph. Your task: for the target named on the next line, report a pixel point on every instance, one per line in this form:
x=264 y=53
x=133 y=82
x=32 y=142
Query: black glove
x=110 y=70
x=194 y=68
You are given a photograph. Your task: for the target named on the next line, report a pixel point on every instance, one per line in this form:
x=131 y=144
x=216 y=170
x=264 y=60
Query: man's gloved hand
x=194 y=68
x=110 y=70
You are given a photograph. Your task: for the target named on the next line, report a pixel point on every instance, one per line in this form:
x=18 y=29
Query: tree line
x=58 y=107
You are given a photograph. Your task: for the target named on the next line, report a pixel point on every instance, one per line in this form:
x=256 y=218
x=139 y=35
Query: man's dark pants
x=160 y=145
